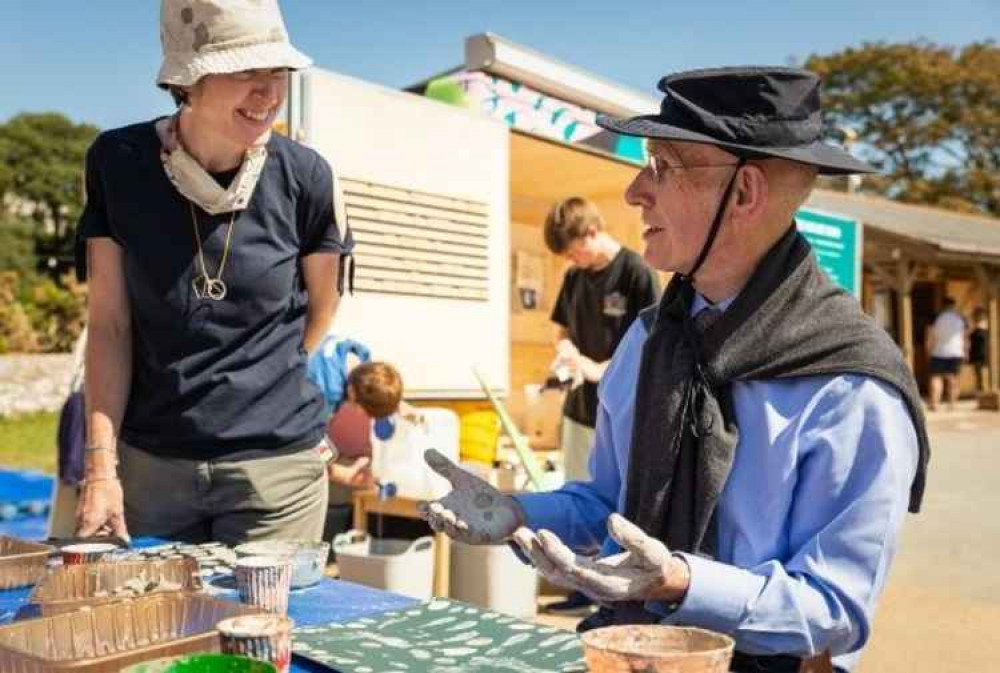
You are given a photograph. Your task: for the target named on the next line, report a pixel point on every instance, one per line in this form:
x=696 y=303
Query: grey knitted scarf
x=789 y=320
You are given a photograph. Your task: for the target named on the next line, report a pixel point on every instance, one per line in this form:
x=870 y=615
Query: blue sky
x=95 y=60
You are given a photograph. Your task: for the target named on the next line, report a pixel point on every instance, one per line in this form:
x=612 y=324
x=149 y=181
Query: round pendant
x=216 y=289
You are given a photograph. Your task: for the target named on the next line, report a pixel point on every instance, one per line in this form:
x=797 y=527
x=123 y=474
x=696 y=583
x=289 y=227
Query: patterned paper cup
x=264 y=637
x=264 y=582
x=92 y=552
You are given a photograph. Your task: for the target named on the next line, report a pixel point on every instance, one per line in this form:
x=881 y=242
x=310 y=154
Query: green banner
x=836 y=240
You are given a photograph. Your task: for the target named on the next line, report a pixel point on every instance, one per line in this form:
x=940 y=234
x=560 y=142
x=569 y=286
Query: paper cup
x=264 y=637
x=308 y=558
x=92 y=552
x=264 y=582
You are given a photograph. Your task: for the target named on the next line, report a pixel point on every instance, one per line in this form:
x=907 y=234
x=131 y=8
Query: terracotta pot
x=656 y=649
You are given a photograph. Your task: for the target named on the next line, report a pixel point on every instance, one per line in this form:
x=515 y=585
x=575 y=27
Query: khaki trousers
x=242 y=497
x=576 y=441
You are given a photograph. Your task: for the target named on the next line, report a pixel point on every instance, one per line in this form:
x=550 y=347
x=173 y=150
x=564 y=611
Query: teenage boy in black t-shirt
x=601 y=295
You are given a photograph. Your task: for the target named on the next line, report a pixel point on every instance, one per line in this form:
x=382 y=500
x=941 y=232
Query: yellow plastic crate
x=479 y=432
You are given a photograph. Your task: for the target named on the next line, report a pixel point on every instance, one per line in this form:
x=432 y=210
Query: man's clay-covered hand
x=474 y=512
x=646 y=570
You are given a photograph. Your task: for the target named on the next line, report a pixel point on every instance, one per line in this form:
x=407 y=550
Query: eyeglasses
x=659 y=167
x=251 y=75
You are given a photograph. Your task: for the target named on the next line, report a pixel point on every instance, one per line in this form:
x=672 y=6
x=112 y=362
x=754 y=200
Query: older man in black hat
x=759 y=439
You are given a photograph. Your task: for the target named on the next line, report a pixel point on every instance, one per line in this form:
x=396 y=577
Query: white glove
x=474 y=512
x=569 y=363
x=646 y=570
x=566 y=349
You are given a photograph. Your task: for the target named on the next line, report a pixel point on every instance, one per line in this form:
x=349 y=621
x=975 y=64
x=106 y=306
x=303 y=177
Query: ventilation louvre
x=417 y=243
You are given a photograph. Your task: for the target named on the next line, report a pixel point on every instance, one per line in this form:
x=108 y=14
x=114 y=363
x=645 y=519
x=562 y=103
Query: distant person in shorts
x=946 y=344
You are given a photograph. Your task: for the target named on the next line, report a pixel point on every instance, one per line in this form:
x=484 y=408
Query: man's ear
x=751 y=191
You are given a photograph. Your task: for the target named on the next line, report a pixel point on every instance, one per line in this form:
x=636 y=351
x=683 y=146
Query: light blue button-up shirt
x=807 y=523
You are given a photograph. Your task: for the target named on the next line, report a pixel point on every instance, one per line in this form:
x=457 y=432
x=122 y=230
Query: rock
x=34 y=383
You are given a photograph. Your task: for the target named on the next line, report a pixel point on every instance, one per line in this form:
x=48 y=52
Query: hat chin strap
x=720 y=212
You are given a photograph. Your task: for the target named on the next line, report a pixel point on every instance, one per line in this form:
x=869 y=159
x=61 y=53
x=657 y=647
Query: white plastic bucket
x=400 y=459
x=400 y=566
x=492 y=577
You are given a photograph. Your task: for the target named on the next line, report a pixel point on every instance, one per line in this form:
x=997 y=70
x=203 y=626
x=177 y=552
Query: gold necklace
x=204 y=285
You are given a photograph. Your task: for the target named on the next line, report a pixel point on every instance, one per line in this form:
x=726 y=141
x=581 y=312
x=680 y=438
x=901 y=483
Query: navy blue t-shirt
x=213 y=377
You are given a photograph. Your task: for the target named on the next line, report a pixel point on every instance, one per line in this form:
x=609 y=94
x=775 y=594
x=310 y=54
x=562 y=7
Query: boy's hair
x=570 y=220
x=378 y=388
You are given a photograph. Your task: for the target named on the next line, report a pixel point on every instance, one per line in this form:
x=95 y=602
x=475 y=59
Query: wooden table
x=368 y=502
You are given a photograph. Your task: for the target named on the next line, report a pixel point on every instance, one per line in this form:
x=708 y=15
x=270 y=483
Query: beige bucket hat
x=204 y=37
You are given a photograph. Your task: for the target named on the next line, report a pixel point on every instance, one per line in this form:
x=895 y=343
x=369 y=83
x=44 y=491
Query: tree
x=17 y=246
x=927 y=115
x=42 y=156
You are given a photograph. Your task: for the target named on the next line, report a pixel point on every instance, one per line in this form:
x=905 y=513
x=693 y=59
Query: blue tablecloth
x=24 y=494
x=27 y=528
x=329 y=601
x=19 y=485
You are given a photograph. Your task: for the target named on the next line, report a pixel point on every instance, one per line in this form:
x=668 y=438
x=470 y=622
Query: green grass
x=29 y=442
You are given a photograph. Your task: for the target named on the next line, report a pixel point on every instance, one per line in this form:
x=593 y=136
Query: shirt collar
x=700 y=302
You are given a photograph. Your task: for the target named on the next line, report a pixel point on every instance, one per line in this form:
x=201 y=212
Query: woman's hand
x=101 y=509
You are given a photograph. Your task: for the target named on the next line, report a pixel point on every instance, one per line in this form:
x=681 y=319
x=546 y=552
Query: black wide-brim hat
x=753 y=112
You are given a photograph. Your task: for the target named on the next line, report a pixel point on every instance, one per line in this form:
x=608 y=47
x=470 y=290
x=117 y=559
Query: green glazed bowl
x=203 y=663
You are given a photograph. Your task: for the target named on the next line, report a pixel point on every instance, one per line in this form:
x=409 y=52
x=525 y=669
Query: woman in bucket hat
x=759 y=439
x=214 y=253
